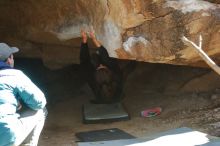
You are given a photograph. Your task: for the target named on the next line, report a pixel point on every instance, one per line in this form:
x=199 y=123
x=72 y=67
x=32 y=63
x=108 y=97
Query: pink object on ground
x=151 y=112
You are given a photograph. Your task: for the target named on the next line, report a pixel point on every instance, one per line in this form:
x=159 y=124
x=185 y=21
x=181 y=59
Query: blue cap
x=6 y=51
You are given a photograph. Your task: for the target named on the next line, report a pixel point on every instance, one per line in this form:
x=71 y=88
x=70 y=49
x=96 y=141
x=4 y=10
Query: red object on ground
x=151 y=112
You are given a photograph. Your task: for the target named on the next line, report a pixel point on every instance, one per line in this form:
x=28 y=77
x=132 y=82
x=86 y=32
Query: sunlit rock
x=142 y=30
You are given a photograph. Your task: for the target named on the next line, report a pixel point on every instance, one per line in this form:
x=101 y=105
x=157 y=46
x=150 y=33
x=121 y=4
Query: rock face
x=142 y=30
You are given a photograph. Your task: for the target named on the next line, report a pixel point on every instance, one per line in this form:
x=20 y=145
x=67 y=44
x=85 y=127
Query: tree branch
x=204 y=56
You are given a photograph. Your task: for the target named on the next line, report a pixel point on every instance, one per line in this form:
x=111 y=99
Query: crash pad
x=175 y=137
x=97 y=113
x=103 y=135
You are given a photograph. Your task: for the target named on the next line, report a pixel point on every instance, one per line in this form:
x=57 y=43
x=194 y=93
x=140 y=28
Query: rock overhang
x=148 y=31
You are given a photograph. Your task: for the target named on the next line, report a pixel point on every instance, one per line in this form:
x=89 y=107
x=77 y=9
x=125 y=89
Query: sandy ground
x=65 y=118
x=189 y=97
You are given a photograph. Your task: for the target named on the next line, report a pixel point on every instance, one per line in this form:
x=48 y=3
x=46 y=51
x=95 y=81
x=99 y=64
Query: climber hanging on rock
x=102 y=73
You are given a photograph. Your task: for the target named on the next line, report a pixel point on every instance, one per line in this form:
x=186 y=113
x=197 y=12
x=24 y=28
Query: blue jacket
x=15 y=86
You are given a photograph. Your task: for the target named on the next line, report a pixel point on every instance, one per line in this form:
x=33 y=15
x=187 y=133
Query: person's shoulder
x=11 y=72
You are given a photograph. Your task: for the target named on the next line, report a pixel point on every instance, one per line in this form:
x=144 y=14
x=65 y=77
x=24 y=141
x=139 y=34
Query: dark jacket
x=106 y=83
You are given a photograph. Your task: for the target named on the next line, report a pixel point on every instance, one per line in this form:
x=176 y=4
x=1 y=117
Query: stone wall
x=142 y=30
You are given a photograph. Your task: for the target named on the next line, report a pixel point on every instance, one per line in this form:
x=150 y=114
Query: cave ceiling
x=142 y=30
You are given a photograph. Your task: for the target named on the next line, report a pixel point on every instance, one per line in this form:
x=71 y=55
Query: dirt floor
x=189 y=97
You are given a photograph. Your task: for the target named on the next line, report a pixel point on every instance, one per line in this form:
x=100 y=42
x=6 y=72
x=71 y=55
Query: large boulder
x=142 y=30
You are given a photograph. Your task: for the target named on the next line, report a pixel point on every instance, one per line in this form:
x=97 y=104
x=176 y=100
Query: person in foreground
x=22 y=104
x=102 y=73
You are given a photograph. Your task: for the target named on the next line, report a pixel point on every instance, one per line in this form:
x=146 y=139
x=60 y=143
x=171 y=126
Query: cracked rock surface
x=148 y=31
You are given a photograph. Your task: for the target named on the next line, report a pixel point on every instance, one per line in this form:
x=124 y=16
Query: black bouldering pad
x=103 y=135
